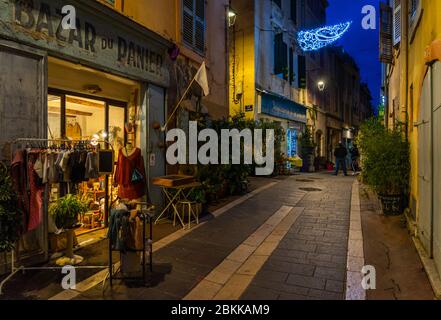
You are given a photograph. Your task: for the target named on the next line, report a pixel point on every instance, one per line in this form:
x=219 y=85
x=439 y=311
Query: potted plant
x=385 y=164
x=307 y=147
x=66 y=212
x=10 y=214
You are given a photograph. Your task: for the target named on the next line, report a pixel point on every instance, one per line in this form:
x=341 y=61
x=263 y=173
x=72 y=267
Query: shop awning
x=280 y=107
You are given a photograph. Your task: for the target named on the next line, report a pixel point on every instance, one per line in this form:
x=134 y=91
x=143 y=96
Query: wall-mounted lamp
x=231 y=17
x=321 y=85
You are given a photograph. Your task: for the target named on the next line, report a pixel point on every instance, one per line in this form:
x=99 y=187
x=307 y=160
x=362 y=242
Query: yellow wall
x=428 y=31
x=243 y=60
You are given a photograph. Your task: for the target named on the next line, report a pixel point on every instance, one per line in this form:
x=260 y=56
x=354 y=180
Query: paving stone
x=335 y=286
x=330 y=273
x=258 y=293
x=308 y=282
x=324 y=295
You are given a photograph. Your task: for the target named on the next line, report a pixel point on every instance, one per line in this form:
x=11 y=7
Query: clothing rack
x=14 y=268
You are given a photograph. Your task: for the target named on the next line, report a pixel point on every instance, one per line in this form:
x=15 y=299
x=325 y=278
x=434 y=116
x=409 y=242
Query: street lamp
x=231 y=17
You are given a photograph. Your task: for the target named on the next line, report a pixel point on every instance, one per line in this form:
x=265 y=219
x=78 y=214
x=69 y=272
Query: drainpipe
x=432 y=161
x=227 y=57
x=405 y=48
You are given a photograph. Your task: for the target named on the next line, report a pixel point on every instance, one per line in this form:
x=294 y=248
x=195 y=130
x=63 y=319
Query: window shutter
x=200 y=9
x=200 y=36
x=397 y=22
x=278 y=48
x=193 y=24
x=294 y=11
x=302 y=72
x=291 y=66
x=386 y=33
x=187 y=27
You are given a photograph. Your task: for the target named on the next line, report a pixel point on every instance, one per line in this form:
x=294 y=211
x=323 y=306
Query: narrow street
x=242 y=253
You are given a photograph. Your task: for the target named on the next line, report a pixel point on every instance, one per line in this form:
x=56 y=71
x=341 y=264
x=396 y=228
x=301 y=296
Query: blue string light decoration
x=316 y=39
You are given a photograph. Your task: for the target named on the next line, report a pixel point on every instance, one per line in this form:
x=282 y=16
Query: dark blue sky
x=359 y=43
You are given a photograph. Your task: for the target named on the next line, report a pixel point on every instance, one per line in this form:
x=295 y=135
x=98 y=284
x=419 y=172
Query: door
x=436 y=108
x=424 y=166
x=23 y=103
x=155 y=148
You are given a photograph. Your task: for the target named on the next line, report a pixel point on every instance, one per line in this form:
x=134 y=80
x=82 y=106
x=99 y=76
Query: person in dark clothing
x=355 y=154
x=340 y=154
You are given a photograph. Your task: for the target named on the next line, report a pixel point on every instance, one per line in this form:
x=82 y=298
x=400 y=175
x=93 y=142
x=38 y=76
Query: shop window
x=116 y=134
x=193 y=24
x=85 y=118
x=54 y=117
x=81 y=118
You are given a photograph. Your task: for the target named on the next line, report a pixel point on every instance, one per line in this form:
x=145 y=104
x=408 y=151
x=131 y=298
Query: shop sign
x=283 y=108
x=249 y=108
x=97 y=38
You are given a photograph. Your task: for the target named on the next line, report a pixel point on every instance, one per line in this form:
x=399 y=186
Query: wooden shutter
x=386 y=33
x=302 y=72
x=188 y=22
x=200 y=25
x=397 y=22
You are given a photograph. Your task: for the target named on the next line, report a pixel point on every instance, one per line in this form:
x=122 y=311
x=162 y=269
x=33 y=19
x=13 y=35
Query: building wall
x=165 y=18
x=242 y=59
x=269 y=17
x=428 y=31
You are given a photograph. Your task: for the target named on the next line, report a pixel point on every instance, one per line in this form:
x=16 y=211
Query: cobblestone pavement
x=308 y=261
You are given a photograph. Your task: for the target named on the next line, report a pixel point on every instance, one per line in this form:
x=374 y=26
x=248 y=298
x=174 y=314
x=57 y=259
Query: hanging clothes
x=29 y=188
x=78 y=166
x=19 y=180
x=36 y=193
x=92 y=171
x=130 y=175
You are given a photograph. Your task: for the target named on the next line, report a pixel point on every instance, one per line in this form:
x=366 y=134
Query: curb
x=355 y=264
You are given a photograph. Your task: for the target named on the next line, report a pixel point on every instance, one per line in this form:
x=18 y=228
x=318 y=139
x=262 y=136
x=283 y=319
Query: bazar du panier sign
x=100 y=37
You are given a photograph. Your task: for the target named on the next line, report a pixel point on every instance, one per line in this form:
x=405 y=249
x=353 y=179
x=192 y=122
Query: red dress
x=123 y=176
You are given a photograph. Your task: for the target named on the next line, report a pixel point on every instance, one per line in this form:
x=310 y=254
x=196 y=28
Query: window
x=292 y=74
x=278 y=3
x=397 y=22
x=280 y=56
x=413 y=8
x=111 y=2
x=294 y=11
x=415 y=12
x=193 y=24
x=301 y=72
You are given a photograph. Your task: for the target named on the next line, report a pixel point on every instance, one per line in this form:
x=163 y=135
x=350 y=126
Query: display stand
x=14 y=268
x=144 y=214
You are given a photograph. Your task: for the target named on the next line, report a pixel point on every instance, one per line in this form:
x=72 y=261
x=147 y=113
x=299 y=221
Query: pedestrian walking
x=355 y=154
x=340 y=154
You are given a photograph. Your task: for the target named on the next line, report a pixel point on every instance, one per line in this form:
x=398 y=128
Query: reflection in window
x=54 y=117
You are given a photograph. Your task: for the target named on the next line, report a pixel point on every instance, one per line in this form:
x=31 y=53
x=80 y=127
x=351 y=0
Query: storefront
x=291 y=116
x=104 y=81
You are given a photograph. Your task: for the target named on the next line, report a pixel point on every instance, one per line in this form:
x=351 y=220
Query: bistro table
x=175 y=194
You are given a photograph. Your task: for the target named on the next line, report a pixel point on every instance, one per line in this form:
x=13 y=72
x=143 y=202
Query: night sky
x=359 y=43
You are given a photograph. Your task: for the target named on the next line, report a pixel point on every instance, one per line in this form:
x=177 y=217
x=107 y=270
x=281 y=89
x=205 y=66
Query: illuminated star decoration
x=316 y=39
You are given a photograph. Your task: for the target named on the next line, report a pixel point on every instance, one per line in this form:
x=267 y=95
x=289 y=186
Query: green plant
x=66 y=211
x=10 y=214
x=306 y=142
x=385 y=158
x=198 y=195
